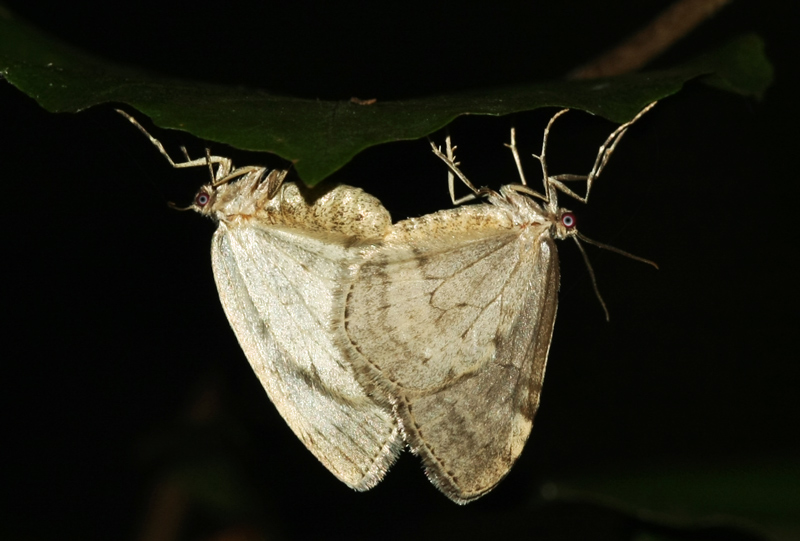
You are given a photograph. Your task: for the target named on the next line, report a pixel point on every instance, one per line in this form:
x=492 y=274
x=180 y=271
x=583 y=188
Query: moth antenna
x=173 y=206
x=617 y=251
x=610 y=249
x=591 y=275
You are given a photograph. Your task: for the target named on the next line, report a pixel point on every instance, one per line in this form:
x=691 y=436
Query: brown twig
x=670 y=26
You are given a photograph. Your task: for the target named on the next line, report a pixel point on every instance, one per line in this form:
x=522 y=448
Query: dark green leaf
x=318 y=136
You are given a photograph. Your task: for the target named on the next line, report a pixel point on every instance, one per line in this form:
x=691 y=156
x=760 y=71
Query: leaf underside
x=318 y=136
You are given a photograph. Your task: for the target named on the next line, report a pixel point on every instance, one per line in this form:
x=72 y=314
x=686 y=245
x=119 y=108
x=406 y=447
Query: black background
x=120 y=368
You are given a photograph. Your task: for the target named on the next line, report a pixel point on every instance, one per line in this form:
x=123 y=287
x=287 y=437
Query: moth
x=450 y=318
x=278 y=257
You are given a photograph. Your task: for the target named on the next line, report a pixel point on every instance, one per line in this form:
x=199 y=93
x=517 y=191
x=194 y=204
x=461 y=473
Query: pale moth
x=278 y=259
x=451 y=317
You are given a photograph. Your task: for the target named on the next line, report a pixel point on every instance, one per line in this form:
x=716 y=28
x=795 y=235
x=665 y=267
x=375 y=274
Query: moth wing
x=470 y=433
x=453 y=319
x=277 y=287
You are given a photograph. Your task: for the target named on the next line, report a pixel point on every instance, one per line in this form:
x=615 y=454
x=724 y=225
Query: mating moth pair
x=368 y=336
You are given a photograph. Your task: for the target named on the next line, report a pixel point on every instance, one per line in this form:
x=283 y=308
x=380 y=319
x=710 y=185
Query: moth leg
x=273 y=181
x=556 y=182
x=452 y=166
x=225 y=165
x=548 y=195
x=523 y=187
x=515 y=152
x=603 y=154
x=607 y=148
x=242 y=171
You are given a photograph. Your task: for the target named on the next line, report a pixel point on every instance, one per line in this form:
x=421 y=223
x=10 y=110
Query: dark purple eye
x=568 y=220
x=202 y=199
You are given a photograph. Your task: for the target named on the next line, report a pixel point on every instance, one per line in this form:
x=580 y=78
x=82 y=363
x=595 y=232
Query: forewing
x=470 y=433
x=423 y=310
x=278 y=288
x=453 y=318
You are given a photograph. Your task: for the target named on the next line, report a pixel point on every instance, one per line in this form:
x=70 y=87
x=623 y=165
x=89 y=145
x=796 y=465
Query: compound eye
x=568 y=220
x=202 y=199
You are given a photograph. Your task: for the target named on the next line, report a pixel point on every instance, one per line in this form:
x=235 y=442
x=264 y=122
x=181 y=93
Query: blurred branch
x=671 y=25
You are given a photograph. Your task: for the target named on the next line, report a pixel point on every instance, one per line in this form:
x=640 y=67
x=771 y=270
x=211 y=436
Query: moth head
x=204 y=200
x=565 y=224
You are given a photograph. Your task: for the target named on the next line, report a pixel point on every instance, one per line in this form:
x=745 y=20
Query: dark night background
x=120 y=369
